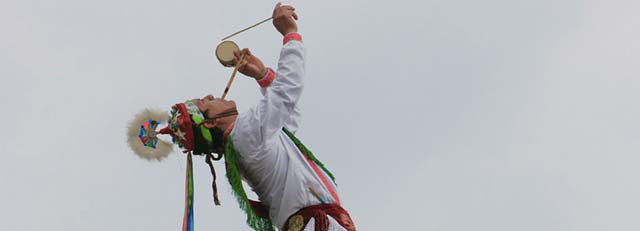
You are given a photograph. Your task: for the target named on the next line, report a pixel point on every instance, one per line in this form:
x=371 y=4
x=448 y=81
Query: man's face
x=212 y=106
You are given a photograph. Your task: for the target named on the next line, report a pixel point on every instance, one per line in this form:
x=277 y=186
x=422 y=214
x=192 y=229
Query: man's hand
x=251 y=65
x=283 y=19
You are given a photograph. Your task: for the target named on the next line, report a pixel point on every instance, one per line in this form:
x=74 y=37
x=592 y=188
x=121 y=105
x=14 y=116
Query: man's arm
x=281 y=88
x=290 y=77
x=293 y=123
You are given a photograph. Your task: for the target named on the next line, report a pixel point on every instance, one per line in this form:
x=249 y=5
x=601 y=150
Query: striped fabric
x=187 y=223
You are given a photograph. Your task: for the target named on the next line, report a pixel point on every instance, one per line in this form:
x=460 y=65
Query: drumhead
x=224 y=52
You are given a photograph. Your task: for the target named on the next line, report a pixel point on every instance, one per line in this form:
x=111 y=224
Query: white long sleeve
x=278 y=107
x=293 y=123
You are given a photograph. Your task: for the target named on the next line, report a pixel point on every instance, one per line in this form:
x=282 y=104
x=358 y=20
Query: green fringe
x=308 y=153
x=253 y=220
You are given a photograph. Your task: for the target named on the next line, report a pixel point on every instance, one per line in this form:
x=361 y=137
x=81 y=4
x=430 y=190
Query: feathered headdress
x=185 y=125
x=183 y=120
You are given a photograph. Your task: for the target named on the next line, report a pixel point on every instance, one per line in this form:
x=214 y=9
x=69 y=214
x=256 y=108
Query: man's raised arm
x=281 y=88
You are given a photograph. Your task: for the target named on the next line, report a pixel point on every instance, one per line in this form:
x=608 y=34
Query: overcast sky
x=493 y=115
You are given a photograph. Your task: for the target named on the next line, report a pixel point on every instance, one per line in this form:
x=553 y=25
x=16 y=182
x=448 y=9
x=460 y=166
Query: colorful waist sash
x=319 y=213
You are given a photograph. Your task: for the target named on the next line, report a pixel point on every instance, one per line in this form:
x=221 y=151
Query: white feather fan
x=163 y=148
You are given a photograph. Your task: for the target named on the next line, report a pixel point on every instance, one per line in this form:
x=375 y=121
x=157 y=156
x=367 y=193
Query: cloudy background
x=434 y=115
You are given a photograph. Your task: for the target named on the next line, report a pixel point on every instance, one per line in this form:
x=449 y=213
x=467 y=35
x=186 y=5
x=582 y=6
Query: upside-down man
x=296 y=191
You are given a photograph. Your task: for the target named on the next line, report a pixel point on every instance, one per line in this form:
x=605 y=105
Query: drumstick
x=233 y=75
x=254 y=25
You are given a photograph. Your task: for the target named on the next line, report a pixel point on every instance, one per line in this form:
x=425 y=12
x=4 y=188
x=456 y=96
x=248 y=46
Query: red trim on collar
x=228 y=131
x=292 y=36
x=267 y=78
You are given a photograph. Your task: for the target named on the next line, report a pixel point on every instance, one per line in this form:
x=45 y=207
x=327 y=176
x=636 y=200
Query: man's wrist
x=289 y=31
x=267 y=78
x=262 y=74
x=292 y=36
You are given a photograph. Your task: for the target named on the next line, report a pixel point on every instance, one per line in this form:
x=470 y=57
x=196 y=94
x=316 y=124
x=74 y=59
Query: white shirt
x=269 y=160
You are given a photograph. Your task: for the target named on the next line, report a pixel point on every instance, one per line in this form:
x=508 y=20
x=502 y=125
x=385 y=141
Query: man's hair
x=203 y=147
x=207 y=148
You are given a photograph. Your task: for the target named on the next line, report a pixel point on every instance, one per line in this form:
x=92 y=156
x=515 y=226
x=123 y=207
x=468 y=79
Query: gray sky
x=434 y=115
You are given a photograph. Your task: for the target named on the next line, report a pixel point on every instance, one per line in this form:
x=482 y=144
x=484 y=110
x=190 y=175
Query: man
x=297 y=192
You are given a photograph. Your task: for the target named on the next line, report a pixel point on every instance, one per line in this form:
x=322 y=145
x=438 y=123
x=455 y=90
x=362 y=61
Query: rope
x=213 y=173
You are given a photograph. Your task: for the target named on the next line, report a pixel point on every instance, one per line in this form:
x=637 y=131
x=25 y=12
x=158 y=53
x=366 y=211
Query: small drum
x=224 y=52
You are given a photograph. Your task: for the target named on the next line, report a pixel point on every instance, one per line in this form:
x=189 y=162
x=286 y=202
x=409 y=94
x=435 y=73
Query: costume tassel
x=187 y=224
x=213 y=185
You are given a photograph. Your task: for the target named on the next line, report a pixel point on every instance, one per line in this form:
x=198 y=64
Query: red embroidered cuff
x=291 y=36
x=267 y=78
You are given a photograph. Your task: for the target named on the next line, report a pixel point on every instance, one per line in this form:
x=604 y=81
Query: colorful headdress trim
x=147 y=134
x=184 y=117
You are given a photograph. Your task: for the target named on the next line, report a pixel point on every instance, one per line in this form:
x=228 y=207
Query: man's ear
x=210 y=123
